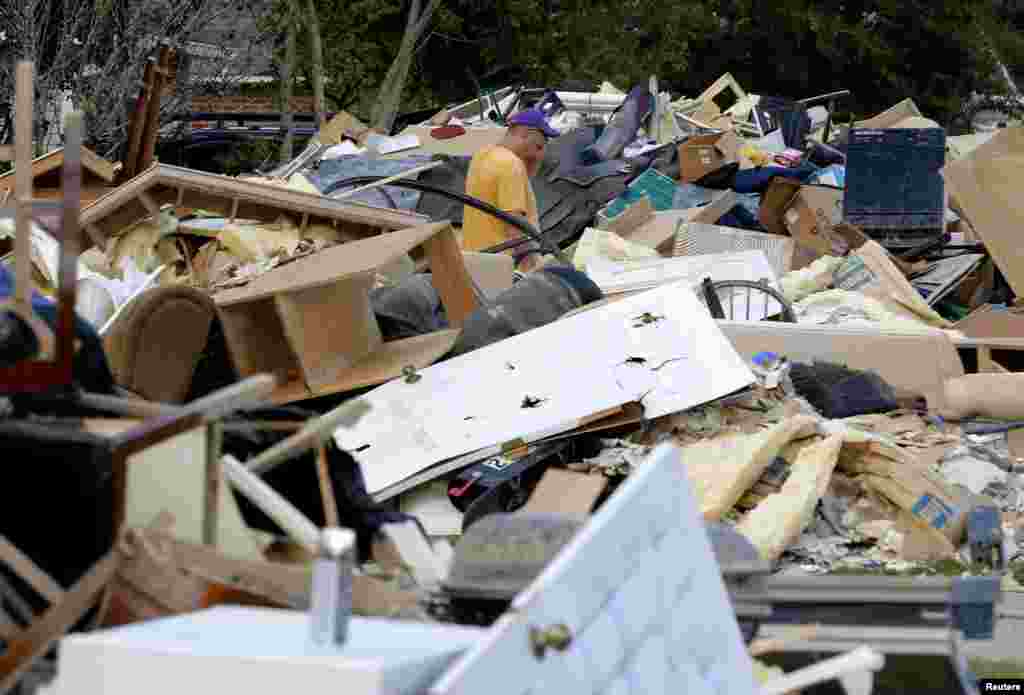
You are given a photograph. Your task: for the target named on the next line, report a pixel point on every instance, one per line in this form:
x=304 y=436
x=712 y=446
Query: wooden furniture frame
x=163 y=184
x=311 y=323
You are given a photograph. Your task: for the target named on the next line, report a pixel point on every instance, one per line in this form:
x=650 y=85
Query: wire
x=521 y=224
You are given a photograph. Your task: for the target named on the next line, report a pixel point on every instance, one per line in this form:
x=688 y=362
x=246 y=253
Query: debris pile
x=740 y=299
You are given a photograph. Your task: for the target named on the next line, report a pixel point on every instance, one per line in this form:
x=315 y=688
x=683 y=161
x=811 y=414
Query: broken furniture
x=713 y=293
x=616 y=611
x=311 y=320
x=155 y=343
x=102 y=476
x=97 y=176
x=259 y=652
x=234 y=198
x=144 y=126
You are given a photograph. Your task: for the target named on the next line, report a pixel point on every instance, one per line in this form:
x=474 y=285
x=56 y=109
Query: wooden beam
x=326 y=488
x=147 y=202
x=450 y=277
x=152 y=124
x=34 y=642
x=28 y=570
x=138 y=122
x=24 y=102
x=6 y=153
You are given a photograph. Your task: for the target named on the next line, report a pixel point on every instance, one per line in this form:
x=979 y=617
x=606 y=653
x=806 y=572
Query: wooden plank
x=332 y=264
x=6 y=154
x=138 y=121
x=450 y=277
x=34 y=642
x=151 y=124
x=384 y=364
x=28 y=570
x=24 y=103
x=147 y=202
x=97 y=237
x=256 y=339
x=329 y=328
x=326 y=488
x=50 y=163
x=211 y=491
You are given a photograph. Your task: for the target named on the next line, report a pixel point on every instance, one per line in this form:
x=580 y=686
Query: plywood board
x=234 y=198
x=565 y=492
x=919 y=362
x=331 y=328
x=171 y=476
x=987 y=184
x=332 y=264
x=520 y=388
x=641 y=620
x=94 y=167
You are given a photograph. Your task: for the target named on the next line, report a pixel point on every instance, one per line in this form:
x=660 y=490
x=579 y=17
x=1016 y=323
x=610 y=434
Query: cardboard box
x=701 y=155
x=985 y=186
x=813 y=218
x=990 y=322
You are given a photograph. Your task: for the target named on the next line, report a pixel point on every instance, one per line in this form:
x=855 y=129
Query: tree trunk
x=318 y=62
x=287 y=75
x=389 y=98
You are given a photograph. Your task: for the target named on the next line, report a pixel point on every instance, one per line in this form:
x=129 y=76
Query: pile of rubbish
x=819 y=318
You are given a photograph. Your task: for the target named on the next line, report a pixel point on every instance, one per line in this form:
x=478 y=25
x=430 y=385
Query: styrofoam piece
x=256 y=651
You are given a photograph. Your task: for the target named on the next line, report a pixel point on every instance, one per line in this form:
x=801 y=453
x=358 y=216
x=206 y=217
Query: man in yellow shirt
x=500 y=175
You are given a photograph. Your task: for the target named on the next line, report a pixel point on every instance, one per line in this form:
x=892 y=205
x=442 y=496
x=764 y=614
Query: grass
x=997 y=668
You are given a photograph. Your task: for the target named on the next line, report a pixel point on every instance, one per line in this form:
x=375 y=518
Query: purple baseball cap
x=533 y=118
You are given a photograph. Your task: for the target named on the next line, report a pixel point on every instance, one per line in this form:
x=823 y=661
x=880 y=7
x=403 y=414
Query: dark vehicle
x=231 y=143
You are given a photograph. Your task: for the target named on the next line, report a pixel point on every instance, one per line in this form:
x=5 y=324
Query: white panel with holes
x=640 y=594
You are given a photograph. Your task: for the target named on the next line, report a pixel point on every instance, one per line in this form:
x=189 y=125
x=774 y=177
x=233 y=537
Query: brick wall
x=239 y=104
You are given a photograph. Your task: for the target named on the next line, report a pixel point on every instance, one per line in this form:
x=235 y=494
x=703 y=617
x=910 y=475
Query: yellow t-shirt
x=496 y=176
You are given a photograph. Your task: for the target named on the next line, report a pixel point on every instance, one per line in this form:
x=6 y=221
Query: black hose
x=521 y=224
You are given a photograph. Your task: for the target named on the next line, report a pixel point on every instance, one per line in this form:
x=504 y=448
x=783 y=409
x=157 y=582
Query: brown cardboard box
x=774 y=202
x=812 y=218
x=704 y=154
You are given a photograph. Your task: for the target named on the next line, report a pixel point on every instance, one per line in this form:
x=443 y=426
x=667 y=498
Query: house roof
x=92 y=164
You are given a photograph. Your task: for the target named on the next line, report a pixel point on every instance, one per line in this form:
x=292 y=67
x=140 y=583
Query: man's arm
x=513 y=197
